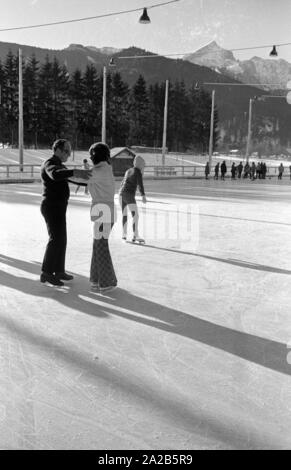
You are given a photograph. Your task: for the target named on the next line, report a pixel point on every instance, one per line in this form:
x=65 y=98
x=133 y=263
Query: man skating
x=56 y=192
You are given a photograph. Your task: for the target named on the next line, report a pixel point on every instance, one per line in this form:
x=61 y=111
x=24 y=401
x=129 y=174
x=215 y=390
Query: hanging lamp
x=144 y=19
x=274 y=52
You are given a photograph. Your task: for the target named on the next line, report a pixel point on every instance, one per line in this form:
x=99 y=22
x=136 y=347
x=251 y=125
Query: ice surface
x=190 y=352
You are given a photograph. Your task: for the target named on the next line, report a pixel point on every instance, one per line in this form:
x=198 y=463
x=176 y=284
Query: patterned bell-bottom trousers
x=102 y=270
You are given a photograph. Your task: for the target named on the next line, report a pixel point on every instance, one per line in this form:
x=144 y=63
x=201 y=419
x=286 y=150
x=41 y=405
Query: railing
x=11 y=172
x=198 y=171
x=174 y=171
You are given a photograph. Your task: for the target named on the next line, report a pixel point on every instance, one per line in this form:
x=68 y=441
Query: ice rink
x=191 y=351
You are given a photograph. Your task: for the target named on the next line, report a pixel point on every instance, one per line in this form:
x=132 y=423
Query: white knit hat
x=139 y=162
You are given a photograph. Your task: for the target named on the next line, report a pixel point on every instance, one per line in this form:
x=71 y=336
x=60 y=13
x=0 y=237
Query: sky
x=176 y=28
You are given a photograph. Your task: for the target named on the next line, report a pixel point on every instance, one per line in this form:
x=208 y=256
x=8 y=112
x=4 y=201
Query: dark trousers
x=55 y=253
x=128 y=201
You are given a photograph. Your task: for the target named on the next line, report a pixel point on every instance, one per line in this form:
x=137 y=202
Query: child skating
x=132 y=179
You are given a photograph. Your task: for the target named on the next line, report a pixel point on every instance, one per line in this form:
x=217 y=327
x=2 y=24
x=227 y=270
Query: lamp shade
x=274 y=52
x=144 y=19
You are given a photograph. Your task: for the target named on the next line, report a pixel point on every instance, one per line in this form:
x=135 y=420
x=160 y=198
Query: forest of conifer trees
x=59 y=105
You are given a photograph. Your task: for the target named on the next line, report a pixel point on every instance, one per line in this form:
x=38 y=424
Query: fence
x=198 y=171
x=32 y=172
x=13 y=172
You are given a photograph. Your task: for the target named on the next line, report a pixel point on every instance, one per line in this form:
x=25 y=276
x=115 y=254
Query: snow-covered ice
x=190 y=352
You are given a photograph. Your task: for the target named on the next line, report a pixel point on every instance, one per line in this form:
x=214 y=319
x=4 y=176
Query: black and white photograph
x=145 y=203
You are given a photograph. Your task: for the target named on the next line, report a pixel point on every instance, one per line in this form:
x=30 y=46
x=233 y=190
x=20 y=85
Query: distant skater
x=259 y=170
x=223 y=169
x=239 y=170
x=281 y=171
x=216 y=171
x=247 y=171
x=207 y=170
x=132 y=179
x=253 y=171
x=233 y=171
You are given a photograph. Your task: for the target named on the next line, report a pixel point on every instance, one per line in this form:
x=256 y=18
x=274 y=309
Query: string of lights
x=144 y=19
x=116 y=13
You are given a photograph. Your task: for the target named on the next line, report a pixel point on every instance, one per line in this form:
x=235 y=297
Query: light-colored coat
x=101 y=186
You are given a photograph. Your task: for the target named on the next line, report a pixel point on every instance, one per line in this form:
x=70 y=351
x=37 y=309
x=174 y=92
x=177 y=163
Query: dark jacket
x=54 y=175
x=132 y=179
x=223 y=168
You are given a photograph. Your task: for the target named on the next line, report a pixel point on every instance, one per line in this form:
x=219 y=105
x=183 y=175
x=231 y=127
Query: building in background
x=121 y=160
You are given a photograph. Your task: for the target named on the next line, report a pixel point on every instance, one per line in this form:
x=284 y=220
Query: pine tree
x=157 y=103
x=54 y=101
x=60 y=100
x=10 y=97
x=78 y=111
x=117 y=116
x=31 y=111
x=45 y=103
x=93 y=106
x=179 y=122
x=139 y=113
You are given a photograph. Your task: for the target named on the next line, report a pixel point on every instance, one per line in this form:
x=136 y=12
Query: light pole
x=211 y=129
x=103 y=133
x=249 y=136
x=1 y=101
x=20 y=118
x=165 y=122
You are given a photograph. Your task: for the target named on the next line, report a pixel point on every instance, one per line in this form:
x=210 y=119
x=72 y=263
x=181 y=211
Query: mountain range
x=211 y=64
x=230 y=101
x=255 y=70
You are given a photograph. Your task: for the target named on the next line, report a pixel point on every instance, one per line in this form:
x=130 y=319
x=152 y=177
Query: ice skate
x=138 y=240
x=94 y=287
x=104 y=290
x=124 y=232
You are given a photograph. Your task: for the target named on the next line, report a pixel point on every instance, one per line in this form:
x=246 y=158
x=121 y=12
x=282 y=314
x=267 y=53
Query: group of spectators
x=252 y=171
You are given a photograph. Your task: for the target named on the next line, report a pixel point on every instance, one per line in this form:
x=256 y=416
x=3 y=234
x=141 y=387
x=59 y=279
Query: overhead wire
x=87 y=17
x=121 y=12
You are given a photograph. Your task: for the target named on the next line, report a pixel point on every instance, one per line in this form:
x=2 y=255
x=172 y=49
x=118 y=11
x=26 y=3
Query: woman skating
x=102 y=187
